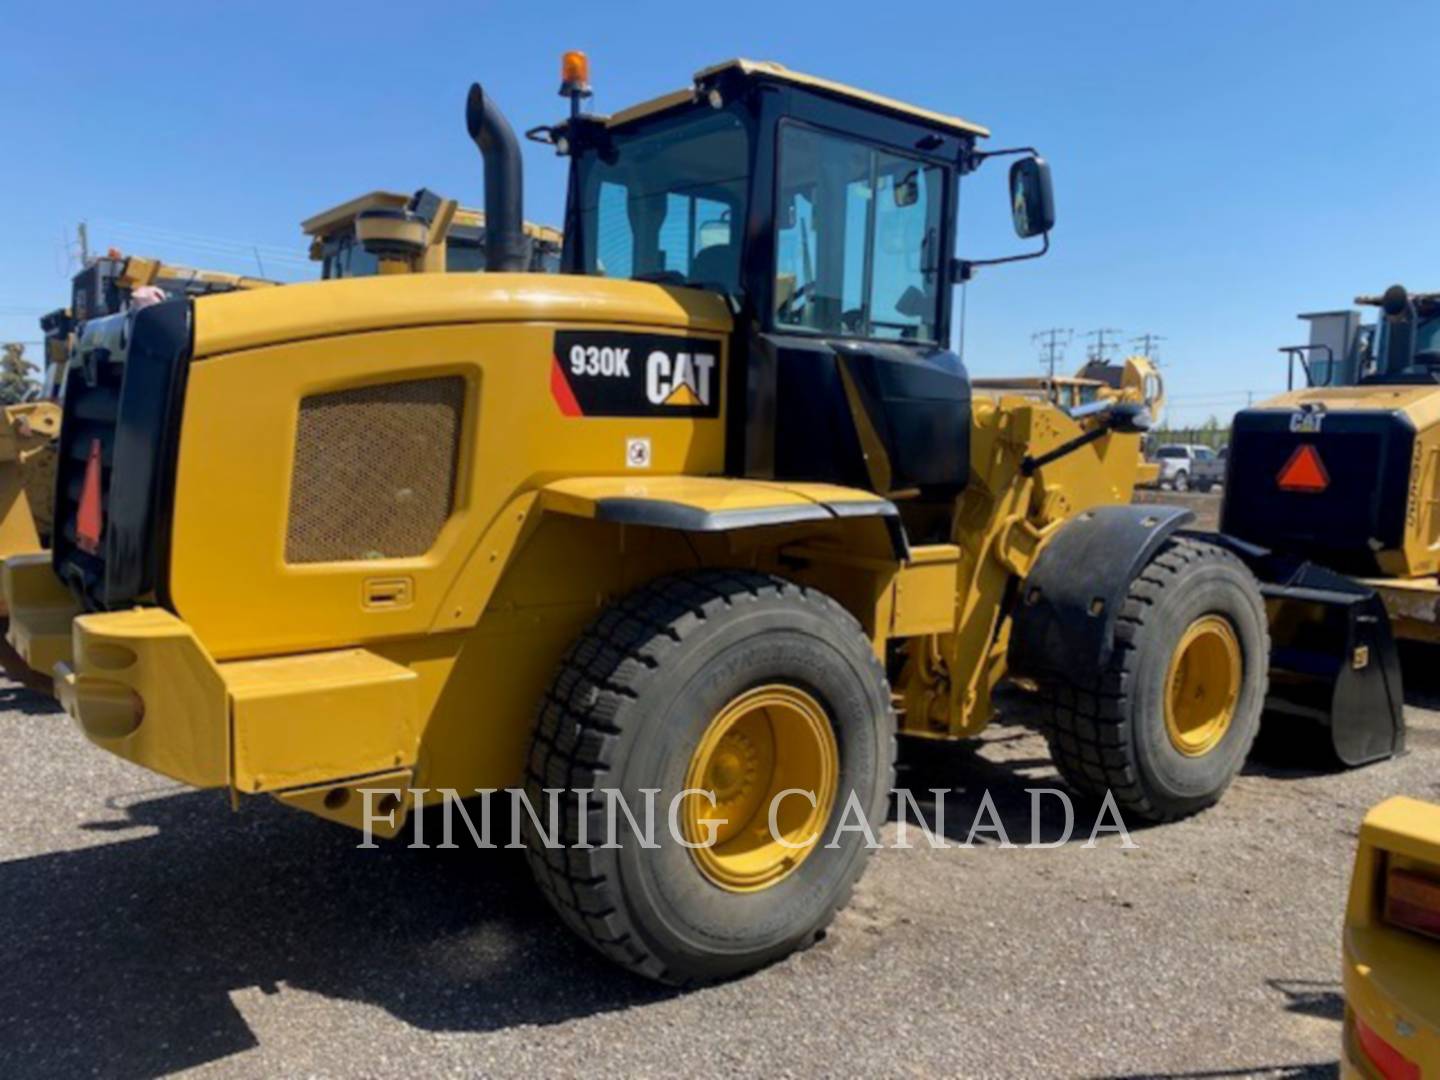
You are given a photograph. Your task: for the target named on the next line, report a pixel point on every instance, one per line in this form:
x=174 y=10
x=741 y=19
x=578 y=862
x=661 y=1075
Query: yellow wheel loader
x=1344 y=473
x=384 y=232
x=699 y=524
x=1372 y=398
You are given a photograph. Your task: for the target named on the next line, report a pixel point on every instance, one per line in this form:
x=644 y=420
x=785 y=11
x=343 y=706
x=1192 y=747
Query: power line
x=152 y=236
x=1099 y=349
x=1052 y=347
x=1149 y=345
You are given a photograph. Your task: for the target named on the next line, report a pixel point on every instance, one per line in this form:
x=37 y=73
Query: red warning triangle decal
x=1304 y=471
x=88 y=516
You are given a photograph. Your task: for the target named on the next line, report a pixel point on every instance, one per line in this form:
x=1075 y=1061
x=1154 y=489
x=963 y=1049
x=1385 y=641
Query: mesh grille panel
x=374 y=473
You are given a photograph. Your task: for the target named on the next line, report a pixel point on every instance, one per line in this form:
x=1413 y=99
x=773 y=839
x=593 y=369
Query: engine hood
x=245 y=320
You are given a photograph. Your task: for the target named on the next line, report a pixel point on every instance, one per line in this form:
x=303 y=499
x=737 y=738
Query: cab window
x=665 y=206
x=858 y=242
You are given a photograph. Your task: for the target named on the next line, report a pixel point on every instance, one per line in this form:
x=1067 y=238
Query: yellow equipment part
x=139 y=270
x=27 y=476
x=1392 y=998
x=41 y=612
x=334 y=229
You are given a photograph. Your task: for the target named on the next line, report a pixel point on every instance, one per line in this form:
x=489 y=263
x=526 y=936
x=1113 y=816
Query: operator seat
x=715 y=267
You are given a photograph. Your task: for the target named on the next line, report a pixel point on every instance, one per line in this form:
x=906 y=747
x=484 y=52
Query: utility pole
x=1149 y=345
x=1052 y=343
x=1101 y=346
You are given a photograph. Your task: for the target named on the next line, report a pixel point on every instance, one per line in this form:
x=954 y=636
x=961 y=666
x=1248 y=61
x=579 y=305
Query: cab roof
x=773 y=72
x=1424 y=300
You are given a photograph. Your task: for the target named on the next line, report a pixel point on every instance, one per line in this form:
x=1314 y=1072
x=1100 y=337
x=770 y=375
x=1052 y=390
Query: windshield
x=858 y=248
x=667 y=206
x=1427 y=335
x=347 y=258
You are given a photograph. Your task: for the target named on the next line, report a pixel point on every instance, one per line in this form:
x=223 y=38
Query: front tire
x=741 y=683
x=1171 y=719
x=1182 y=481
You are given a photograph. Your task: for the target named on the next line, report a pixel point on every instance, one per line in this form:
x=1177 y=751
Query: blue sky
x=1219 y=167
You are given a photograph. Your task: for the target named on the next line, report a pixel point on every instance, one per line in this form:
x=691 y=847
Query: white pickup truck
x=1188 y=465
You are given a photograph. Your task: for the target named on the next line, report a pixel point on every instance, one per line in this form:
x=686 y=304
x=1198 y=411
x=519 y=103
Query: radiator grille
x=374 y=474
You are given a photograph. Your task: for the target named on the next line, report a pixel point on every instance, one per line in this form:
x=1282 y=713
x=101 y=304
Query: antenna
x=1052 y=344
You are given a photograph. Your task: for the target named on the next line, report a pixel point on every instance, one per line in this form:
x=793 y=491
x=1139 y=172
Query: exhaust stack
x=505 y=245
x=1400 y=320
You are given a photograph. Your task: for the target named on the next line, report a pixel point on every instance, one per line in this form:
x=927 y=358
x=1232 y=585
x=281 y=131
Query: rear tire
x=1182 y=481
x=634 y=705
x=1170 y=720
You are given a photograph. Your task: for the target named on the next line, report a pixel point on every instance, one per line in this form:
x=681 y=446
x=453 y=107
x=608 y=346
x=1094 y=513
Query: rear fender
x=717 y=504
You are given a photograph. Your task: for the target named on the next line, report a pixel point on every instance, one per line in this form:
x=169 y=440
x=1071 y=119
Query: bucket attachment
x=1333 y=666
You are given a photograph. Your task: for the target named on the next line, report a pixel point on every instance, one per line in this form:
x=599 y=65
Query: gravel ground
x=1206 y=505
x=148 y=929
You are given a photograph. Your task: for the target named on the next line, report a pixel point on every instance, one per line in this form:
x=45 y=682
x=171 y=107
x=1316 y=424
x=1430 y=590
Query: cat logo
x=685 y=380
x=614 y=373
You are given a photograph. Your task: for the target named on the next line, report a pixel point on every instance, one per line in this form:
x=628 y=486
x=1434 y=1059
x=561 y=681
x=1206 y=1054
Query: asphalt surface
x=147 y=929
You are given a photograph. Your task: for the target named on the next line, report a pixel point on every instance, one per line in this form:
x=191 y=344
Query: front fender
x=1064 y=622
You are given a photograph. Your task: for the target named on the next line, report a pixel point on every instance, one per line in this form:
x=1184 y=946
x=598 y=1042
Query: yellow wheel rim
x=1202 y=686
x=767 y=741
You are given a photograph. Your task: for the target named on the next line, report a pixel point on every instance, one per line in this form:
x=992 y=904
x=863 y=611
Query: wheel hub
x=763 y=743
x=1202 y=686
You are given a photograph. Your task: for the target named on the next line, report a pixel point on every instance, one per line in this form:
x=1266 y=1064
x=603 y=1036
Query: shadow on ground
x=121 y=958
x=1319 y=1070
x=966 y=776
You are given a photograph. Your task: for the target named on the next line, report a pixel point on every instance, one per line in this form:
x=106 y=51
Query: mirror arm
x=976 y=157
x=963 y=270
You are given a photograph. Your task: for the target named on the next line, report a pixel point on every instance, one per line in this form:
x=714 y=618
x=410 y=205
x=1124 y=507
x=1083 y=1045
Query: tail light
x=1412 y=901
x=1388 y=1062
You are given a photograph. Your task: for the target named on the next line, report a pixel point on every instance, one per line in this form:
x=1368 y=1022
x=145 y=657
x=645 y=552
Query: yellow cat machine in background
x=385 y=232
x=1364 y=446
x=1392 y=946
x=28 y=431
x=695 y=517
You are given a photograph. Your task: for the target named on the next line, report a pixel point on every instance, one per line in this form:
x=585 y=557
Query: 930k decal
x=609 y=373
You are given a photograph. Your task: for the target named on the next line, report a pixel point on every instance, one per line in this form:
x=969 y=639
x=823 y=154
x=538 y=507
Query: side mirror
x=907 y=188
x=1032 y=199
